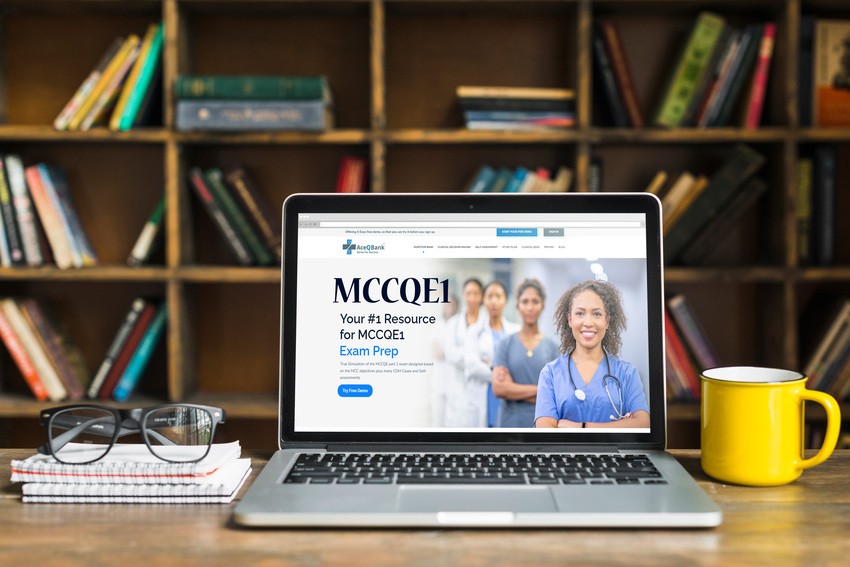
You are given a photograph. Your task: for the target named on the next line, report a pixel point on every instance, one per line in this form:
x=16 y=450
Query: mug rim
x=752 y=375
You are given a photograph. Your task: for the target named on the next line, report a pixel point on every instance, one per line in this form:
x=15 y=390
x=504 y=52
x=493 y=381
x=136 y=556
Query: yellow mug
x=752 y=425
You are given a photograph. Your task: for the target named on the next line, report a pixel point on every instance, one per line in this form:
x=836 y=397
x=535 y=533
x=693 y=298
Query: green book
x=223 y=87
x=225 y=200
x=692 y=64
x=143 y=83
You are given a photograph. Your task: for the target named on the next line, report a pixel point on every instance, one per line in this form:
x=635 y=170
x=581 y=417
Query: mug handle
x=833 y=423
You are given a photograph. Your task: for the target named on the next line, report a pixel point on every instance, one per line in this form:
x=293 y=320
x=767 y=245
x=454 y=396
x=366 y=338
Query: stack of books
x=242 y=103
x=520 y=180
x=130 y=351
x=698 y=209
x=124 y=88
x=720 y=77
x=51 y=364
x=688 y=350
x=39 y=223
x=130 y=474
x=516 y=108
x=240 y=212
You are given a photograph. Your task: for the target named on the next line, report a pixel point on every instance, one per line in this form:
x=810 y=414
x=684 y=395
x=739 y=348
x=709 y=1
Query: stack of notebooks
x=130 y=473
x=516 y=108
x=124 y=88
x=242 y=103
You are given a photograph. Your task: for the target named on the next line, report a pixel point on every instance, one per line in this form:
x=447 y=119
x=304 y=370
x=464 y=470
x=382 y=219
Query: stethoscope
x=606 y=379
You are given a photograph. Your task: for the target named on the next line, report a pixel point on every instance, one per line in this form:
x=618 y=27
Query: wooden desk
x=804 y=523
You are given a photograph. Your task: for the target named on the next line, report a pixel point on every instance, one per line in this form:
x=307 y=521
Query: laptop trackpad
x=475 y=499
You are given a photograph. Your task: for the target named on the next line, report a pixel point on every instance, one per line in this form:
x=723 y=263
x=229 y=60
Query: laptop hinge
x=469 y=448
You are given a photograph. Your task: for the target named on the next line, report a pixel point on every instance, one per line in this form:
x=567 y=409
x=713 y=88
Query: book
x=472 y=92
x=805 y=176
x=102 y=107
x=679 y=359
x=53 y=346
x=247 y=87
x=832 y=315
x=351 y=177
x=150 y=110
x=146 y=85
x=10 y=221
x=129 y=44
x=139 y=361
x=256 y=206
x=130 y=473
x=706 y=89
x=244 y=230
x=831 y=81
x=805 y=71
x=127 y=350
x=731 y=175
x=85 y=89
x=138 y=80
x=656 y=184
x=622 y=72
x=758 y=87
x=740 y=74
x=46 y=373
x=824 y=187
x=115 y=347
x=686 y=74
x=675 y=196
x=252 y=115
x=51 y=222
x=55 y=183
x=723 y=221
x=199 y=184
x=24 y=211
x=720 y=84
x=692 y=332
x=147 y=239
x=693 y=192
x=605 y=75
x=482 y=180
x=22 y=359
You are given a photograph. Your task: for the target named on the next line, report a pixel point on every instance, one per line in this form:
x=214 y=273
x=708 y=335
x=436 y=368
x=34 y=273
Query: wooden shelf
x=393 y=66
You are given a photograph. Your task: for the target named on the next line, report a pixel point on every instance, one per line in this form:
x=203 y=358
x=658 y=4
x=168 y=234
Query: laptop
x=380 y=426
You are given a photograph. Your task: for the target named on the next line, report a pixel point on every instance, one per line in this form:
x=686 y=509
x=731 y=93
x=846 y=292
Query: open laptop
x=372 y=433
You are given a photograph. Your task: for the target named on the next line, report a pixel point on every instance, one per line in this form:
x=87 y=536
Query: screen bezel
x=476 y=204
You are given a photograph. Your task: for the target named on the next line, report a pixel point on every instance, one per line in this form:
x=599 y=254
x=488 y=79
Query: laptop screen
x=414 y=322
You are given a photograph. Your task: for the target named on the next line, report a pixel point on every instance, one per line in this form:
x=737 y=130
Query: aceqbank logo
x=350 y=247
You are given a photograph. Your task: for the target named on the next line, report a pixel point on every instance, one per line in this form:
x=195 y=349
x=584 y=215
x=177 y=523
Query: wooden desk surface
x=806 y=522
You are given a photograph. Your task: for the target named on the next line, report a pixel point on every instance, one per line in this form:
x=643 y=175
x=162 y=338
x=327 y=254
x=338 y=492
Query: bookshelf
x=393 y=66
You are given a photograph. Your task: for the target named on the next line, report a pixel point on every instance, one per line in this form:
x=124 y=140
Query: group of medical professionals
x=498 y=373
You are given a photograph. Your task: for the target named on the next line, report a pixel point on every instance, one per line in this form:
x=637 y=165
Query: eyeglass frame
x=137 y=415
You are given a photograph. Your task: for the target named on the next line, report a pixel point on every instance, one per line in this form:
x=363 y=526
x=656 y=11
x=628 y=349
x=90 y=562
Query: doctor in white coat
x=456 y=410
x=481 y=341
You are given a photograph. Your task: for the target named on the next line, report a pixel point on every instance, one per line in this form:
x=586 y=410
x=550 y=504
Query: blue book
x=483 y=180
x=139 y=361
x=56 y=185
x=253 y=115
x=516 y=181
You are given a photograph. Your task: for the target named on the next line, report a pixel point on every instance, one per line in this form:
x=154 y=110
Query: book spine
x=24 y=211
x=692 y=332
x=115 y=347
x=51 y=342
x=692 y=64
x=482 y=180
x=127 y=351
x=10 y=222
x=680 y=357
x=51 y=222
x=130 y=378
x=199 y=183
x=755 y=102
x=57 y=185
x=622 y=72
x=609 y=82
x=741 y=74
x=110 y=93
x=144 y=82
x=85 y=89
x=132 y=78
x=21 y=358
x=55 y=390
x=5 y=258
x=537 y=104
x=250 y=87
x=222 y=196
x=252 y=115
x=743 y=163
x=352 y=175
x=145 y=242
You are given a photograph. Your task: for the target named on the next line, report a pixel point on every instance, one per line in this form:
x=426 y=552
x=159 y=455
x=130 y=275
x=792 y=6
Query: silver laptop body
x=367 y=281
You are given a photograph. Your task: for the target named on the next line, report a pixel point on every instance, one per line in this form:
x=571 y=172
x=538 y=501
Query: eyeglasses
x=85 y=433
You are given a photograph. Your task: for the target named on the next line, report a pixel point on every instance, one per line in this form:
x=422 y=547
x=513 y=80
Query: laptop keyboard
x=453 y=468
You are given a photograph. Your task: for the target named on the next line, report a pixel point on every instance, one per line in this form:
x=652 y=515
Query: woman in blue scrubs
x=589 y=387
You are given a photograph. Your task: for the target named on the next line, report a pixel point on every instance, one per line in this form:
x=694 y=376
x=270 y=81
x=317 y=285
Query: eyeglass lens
x=88 y=429
x=189 y=428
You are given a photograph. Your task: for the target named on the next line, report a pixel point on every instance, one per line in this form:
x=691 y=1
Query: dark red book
x=133 y=340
